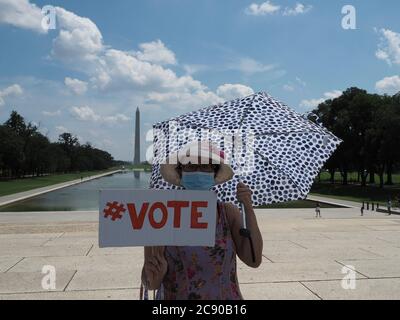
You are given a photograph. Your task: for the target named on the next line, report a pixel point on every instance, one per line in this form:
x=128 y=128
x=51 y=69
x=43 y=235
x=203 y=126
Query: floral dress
x=207 y=273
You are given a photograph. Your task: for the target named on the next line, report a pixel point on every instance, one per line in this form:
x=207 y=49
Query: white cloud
x=106 y=143
x=288 y=87
x=299 y=8
x=233 y=91
x=382 y=55
x=269 y=8
x=250 y=66
x=127 y=68
x=183 y=100
x=262 y=9
x=235 y=62
x=45 y=131
x=191 y=69
x=389 y=85
x=294 y=85
x=80 y=46
x=13 y=90
x=333 y=94
x=124 y=68
x=78 y=39
x=300 y=81
x=119 y=117
x=313 y=103
x=86 y=113
x=21 y=14
x=77 y=86
x=51 y=113
x=61 y=129
x=389 y=47
x=156 y=52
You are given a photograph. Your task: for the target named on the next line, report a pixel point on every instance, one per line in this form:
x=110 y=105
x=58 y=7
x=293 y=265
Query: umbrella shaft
x=243 y=215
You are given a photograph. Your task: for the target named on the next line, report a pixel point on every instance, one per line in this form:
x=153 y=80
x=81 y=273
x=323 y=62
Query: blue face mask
x=197 y=180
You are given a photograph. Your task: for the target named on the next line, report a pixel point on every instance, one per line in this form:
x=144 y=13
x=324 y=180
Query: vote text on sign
x=129 y=218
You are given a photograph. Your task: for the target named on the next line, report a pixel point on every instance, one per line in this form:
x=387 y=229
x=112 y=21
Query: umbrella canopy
x=271 y=148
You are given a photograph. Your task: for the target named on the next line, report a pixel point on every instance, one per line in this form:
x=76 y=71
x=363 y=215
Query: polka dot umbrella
x=271 y=148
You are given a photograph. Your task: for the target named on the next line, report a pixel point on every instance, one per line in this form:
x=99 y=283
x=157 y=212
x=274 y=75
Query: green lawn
x=139 y=166
x=20 y=185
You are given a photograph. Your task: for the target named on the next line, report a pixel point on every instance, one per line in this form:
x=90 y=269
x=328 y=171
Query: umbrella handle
x=247 y=234
x=244 y=232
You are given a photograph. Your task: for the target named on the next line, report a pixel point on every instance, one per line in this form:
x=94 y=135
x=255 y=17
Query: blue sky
x=168 y=57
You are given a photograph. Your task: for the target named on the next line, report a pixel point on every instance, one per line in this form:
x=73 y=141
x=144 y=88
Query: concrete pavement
x=337 y=202
x=347 y=203
x=303 y=257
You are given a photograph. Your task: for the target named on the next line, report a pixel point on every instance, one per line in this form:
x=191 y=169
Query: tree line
x=369 y=125
x=25 y=151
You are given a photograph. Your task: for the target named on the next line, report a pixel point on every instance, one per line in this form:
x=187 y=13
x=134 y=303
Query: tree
x=24 y=150
x=36 y=161
x=369 y=125
x=386 y=134
x=11 y=150
x=16 y=123
x=69 y=143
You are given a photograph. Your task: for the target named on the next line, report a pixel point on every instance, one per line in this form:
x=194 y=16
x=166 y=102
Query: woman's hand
x=235 y=219
x=155 y=266
x=243 y=194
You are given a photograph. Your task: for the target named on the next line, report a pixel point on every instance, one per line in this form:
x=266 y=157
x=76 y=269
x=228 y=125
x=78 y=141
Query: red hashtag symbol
x=115 y=210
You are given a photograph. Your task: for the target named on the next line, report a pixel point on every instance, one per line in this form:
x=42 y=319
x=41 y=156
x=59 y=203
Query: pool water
x=83 y=196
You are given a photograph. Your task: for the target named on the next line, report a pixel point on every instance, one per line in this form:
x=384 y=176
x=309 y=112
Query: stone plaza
x=303 y=257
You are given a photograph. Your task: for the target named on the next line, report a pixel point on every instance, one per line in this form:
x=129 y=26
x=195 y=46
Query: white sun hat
x=198 y=152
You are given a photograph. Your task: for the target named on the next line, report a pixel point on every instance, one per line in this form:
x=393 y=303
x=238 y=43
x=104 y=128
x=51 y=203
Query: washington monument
x=136 y=158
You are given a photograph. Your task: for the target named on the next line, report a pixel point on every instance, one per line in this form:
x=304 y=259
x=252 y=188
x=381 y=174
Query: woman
x=189 y=272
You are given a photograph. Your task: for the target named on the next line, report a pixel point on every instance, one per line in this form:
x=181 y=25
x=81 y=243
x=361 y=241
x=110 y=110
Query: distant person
x=389 y=206
x=317 y=210
x=362 y=210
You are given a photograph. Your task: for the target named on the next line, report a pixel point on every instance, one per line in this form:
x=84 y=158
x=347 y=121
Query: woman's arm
x=242 y=244
x=154 y=268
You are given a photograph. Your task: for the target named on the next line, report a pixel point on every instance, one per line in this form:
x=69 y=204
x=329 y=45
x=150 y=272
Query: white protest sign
x=129 y=218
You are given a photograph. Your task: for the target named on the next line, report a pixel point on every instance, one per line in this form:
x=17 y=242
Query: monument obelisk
x=136 y=158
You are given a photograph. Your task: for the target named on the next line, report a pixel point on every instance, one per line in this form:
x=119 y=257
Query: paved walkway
x=303 y=257
x=4 y=200
x=337 y=202
x=346 y=203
